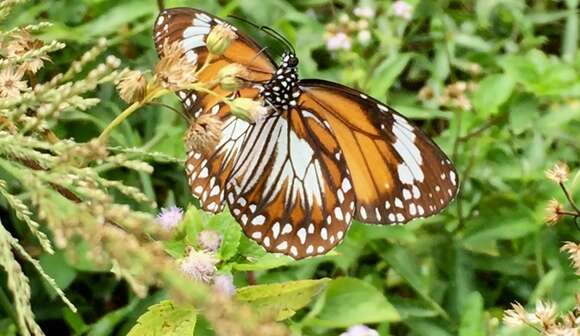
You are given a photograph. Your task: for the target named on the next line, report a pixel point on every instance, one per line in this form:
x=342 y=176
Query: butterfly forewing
x=398 y=173
x=190 y=28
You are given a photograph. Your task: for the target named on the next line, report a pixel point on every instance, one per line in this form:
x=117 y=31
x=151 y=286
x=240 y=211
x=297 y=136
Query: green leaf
x=57 y=267
x=472 y=322
x=282 y=299
x=265 y=262
x=406 y=266
x=493 y=92
x=230 y=232
x=349 y=301
x=386 y=73
x=167 y=319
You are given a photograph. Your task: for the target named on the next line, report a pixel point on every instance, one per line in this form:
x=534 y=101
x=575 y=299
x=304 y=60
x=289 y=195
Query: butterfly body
x=282 y=91
x=323 y=156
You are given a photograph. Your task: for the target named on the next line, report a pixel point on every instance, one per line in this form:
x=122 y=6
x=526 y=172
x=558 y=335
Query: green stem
x=154 y=94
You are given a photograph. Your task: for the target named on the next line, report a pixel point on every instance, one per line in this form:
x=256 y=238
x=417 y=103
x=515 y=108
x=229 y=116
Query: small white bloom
x=360 y=330
x=364 y=12
x=402 y=9
x=170 y=217
x=209 y=240
x=338 y=41
x=364 y=36
x=199 y=266
x=224 y=284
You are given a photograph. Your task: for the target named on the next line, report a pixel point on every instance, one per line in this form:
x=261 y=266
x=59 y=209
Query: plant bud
x=219 y=39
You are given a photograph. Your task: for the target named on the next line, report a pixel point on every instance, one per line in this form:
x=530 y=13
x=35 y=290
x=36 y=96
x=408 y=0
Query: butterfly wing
x=398 y=173
x=190 y=28
x=289 y=187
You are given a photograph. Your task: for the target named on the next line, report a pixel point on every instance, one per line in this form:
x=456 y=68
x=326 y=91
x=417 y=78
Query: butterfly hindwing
x=290 y=188
x=397 y=171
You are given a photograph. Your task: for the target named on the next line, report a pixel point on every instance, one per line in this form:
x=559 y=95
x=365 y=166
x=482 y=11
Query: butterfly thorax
x=282 y=91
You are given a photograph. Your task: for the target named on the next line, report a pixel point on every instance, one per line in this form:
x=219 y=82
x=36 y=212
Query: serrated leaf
x=166 y=319
x=350 y=301
x=282 y=299
x=493 y=92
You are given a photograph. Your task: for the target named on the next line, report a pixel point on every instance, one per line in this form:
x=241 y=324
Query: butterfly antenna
x=273 y=33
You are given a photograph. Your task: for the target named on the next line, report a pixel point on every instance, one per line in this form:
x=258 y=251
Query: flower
x=209 y=240
x=220 y=38
x=360 y=330
x=203 y=134
x=198 y=266
x=338 y=41
x=516 y=316
x=553 y=212
x=364 y=12
x=545 y=313
x=11 y=83
x=224 y=284
x=174 y=71
x=402 y=9
x=574 y=250
x=248 y=109
x=364 y=36
x=231 y=77
x=132 y=86
x=559 y=173
x=170 y=217
x=22 y=43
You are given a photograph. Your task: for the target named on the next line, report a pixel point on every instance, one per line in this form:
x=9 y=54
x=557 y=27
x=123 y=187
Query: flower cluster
x=455 y=95
x=339 y=35
x=545 y=318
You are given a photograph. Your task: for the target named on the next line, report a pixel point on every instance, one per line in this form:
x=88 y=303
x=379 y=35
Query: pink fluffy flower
x=360 y=330
x=402 y=9
x=170 y=217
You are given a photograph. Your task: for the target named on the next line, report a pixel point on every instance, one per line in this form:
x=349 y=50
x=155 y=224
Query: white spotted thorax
x=282 y=91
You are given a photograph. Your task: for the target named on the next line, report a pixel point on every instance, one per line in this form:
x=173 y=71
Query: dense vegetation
x=495 y=83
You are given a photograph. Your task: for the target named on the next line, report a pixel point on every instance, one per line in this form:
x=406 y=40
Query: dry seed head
x=22 y=43
x=219 y=39
x=174 y=71
x=553 y=212
x=11 y=83
x=203 y=134
x=132 y=86
x=516 y=316
x=573 y=249
x=559 y=173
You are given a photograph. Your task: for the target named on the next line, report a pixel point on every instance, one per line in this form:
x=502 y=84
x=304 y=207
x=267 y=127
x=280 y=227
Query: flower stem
x=153 y=94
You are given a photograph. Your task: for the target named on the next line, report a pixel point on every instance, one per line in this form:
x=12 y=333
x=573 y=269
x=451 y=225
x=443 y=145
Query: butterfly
x=326 y=154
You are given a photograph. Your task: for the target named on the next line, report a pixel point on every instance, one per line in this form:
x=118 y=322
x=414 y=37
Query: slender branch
x=490 y=123
x=161 y=4
x=569 y=197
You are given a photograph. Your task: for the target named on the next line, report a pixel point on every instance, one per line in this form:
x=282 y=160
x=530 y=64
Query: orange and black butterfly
x=326 y=155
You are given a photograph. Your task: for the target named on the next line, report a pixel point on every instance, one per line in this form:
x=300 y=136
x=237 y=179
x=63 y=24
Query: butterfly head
x=289 y=60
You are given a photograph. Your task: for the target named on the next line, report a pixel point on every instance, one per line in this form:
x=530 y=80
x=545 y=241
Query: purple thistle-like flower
x=224 y=284
x=199 y=266
x=209 y=240
x=360 y=330
x=402 y=9
x=170 y=217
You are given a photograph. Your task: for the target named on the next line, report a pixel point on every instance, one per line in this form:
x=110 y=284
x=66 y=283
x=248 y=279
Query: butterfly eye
x=293 y=61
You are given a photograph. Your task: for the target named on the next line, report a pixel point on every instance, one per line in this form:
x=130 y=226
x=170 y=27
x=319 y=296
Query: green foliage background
x=452 y=274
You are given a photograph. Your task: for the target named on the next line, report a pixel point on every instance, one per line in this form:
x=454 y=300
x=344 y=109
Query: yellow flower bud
x=231 y=77
x=248 y=109
x=219 y=39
